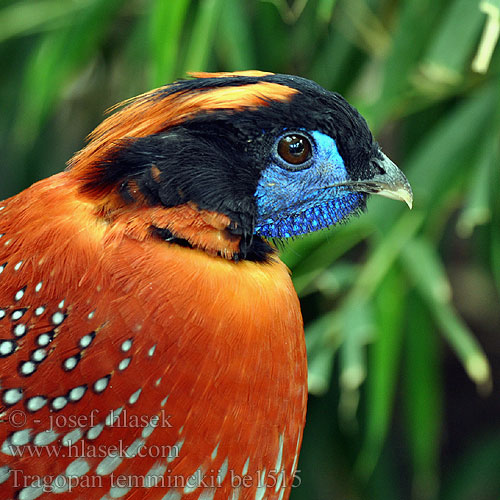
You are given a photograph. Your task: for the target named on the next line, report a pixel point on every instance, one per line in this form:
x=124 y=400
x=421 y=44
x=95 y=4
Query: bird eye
x=295 y=149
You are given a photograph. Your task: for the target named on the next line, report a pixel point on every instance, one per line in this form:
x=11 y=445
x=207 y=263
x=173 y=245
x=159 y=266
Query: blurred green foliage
x=398 y=305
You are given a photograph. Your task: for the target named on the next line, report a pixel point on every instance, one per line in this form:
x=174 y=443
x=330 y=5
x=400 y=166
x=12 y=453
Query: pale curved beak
x=392 y=183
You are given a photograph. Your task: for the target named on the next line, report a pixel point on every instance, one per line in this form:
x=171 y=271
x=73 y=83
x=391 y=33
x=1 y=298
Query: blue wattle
x=294 y=202
x=312 y=219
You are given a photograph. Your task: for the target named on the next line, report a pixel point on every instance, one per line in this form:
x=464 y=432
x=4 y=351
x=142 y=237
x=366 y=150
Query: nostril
x=377 y=168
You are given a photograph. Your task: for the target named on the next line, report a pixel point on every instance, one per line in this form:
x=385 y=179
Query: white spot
x=152 y=351
x=7 y=448
x=44 y=339
x=133 y=399
x=148 y=430
x=7 y=243
x=20 y=438
x=214 y=453
x=124 y=364
x=20 y=330
x=4 y=473
x=45 y=437
x=57 y=318
x=77 y=393
x=126 y=345
x=2 y=235
x=77 y=468
x=281 y=475
x=39 y=355
x=18 y=265
x=173 y=453
x=154 y=475
x=245 y=467
x=2 y=311
x=39 y=311
x=118 y=492
x=95 y=431
x=19 y=294
x=164 y=400
x=70 y=363
x=28 y=368
x=221 y=475
x=7 y=347
x=194 y=481
x=86 y=340
x=2 y=267
x=280 y=455
x=32 y=492
x=294 y=465
x=12 y=396
x=113 y=416
x=35 y=403
x=158 y=382
x=61 y=304
x=172 y=495
x=91 y=315
x=134 y=448
x=261 y=488
x=59 y=403
x=72 y=437
x=1 y=208
x=60 y=484
x=17 y=314
x=108 y=465
x=208 y=494
x=38 y=286
x=101 y=384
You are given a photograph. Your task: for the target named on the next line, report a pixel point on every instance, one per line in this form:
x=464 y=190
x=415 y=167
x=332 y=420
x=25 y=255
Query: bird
x=151 y=340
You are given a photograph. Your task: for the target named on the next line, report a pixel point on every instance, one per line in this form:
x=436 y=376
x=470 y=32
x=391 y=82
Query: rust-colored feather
x=203 y=359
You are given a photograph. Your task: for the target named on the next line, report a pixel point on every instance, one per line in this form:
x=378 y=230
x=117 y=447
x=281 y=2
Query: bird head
x=256 y=155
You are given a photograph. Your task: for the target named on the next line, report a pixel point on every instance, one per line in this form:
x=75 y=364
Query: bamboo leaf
x=451 y=48
x=166 y=22
x=383 y=362
x=478 y=204
x=27 y=18
x=201 y=41
x=422 y=397
x=426 y=270
x=234 y=40
x=60 y=55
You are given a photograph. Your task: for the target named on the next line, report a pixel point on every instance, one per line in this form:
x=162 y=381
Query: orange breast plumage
x=128 y=370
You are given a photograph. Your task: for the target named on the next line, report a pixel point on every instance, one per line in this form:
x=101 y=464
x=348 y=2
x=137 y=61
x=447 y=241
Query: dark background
x=401 y=308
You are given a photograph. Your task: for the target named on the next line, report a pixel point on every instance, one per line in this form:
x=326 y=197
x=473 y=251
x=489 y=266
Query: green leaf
x=28 y=18
x=383 y=360
x=422 y=396
x=166 y=22
x=385 y=253
x=478 y=204
x=454 y=43
x=201 y=41
x=234 y=39
x=59 y=56
x=435 y=161
x=322 y=341
x=427 y=272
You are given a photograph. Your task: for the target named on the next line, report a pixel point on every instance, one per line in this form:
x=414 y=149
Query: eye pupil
x=294 y=149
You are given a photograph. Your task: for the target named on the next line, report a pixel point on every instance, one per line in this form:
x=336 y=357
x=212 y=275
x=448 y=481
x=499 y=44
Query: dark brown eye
x=295 y=149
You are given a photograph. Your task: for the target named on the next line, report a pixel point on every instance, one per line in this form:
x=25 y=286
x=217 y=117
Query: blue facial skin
x=294 y=202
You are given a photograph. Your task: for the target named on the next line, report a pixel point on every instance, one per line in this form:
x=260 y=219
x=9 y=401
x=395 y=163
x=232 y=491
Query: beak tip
x=393 y=183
